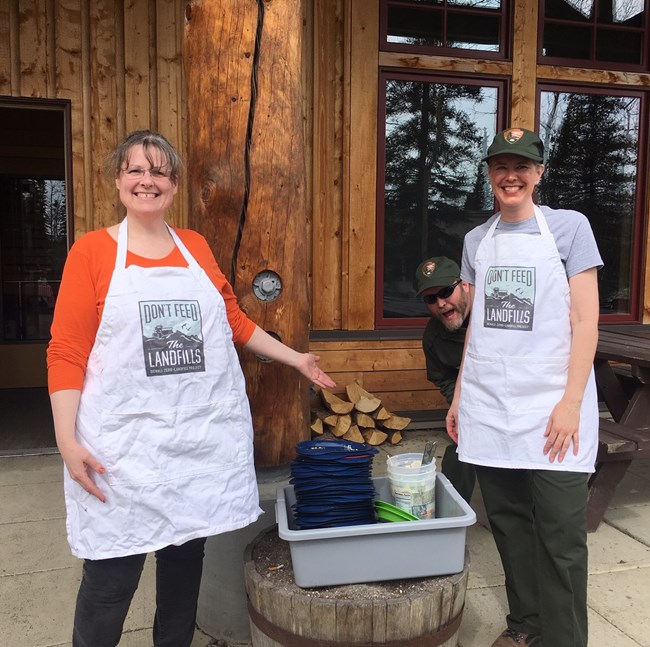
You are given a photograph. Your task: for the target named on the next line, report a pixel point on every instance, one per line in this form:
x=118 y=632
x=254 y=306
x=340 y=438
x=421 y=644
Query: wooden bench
x=618 y=446
x=626 y=378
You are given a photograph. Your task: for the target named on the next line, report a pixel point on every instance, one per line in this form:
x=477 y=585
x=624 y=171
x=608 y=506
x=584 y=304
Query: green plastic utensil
x=389 y=512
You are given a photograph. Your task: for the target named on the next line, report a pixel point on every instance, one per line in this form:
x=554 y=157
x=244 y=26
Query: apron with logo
x=517 y=358
x=164 y=409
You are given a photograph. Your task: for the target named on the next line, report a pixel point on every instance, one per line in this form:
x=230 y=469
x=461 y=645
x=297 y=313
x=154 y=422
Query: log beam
x=246 y=174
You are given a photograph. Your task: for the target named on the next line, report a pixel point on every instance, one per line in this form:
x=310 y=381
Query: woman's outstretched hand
x=308 y=365
x=261 y=343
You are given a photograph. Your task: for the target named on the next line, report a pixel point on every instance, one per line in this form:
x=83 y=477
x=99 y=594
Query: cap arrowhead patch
x=429 y=268
x=513 y=135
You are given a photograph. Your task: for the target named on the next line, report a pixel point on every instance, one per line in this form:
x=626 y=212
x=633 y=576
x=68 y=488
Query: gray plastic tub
x=379 y=551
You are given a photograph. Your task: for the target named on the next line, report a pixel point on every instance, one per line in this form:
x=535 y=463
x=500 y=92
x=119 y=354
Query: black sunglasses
x=443 y=293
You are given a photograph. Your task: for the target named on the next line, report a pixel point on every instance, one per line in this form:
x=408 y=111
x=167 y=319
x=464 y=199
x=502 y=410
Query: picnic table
x=622 y=370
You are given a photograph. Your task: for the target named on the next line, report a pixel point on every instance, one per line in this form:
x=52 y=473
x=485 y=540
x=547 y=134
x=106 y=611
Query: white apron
x=164 y=409
x=517 y=359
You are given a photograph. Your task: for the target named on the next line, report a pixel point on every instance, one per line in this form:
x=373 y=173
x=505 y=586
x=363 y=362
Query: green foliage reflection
x=435 y=187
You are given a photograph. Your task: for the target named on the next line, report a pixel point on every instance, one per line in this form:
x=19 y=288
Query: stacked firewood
x=361 y=418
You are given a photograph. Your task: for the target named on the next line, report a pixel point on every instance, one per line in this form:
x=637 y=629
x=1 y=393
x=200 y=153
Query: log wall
x=392 y=370
x=247 y=187
x=344 y=149
x=118 y=62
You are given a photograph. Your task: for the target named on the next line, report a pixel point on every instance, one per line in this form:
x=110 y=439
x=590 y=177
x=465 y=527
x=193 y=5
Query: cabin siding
x=119 y=63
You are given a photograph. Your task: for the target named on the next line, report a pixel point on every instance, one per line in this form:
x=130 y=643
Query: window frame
x=593 y=63
x=505 y=27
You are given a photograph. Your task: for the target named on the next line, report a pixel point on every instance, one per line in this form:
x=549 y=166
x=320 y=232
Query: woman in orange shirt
x=149 y=403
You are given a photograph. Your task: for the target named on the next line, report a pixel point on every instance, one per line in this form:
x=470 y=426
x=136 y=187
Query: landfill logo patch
x=509 y=298
x=172 y=337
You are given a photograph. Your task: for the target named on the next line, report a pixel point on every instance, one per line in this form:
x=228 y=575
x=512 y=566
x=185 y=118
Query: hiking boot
x=512 y=638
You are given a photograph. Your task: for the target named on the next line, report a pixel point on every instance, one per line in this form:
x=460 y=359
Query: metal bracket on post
x=267 y=286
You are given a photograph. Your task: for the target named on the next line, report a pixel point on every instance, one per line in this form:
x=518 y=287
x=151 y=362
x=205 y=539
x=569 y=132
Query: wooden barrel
x=403 y=613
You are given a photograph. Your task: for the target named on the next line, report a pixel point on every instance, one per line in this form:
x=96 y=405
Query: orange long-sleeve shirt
x=80 y=303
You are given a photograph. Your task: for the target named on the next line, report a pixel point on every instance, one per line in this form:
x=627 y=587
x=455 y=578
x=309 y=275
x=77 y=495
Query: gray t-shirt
x=572 y=232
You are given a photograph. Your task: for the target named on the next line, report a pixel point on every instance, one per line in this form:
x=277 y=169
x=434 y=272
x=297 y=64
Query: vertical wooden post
x=360 y=170
x=246 y=174
x=524 y=64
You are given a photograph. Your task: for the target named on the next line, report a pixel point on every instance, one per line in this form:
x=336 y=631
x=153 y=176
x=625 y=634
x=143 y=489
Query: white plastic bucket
x=412 y=484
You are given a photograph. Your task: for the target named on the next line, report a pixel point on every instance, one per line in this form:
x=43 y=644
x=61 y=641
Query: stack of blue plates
x=332 y=481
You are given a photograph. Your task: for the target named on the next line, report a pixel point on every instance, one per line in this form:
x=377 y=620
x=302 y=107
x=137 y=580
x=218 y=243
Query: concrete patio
x=39 y=578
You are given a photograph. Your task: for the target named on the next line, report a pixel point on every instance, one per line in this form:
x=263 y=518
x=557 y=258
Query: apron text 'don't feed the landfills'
x=516 y=363
x=164 y=409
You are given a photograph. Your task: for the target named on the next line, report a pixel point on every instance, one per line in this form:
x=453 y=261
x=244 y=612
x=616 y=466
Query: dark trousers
x=108 y=585
x=461 y=475
x=538 y=520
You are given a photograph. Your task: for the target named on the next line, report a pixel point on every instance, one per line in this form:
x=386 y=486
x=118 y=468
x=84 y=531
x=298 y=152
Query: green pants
x=538 y=520
x=461 y=475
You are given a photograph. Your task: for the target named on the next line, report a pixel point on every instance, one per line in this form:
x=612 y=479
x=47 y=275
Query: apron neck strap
x=122 y=244
x=539 y=216
x=123 y=239
x=541 y=222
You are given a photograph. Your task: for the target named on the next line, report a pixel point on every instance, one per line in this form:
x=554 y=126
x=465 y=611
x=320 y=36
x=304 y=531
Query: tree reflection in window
x=435 y=187
x=33 y=242
x=592 y=157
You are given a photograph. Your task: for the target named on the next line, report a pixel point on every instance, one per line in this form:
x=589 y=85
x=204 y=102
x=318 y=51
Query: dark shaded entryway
x=26 y=422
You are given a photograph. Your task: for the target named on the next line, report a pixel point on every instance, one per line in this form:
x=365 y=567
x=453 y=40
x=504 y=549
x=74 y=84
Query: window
x=448 y=27
x=595 y=166
x=610 y=34
x=34 y=204
x=432 y=183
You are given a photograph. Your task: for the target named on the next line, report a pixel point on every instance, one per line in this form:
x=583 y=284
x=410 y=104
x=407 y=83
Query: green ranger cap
x=435 y=272
x=517 y=141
